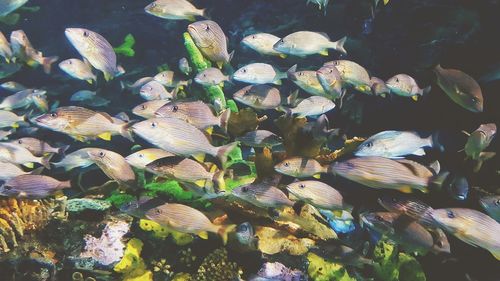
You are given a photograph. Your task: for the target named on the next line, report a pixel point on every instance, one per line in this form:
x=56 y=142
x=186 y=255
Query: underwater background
x=404 y=36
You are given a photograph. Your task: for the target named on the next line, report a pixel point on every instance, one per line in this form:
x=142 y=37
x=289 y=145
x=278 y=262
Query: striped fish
x=32 y=186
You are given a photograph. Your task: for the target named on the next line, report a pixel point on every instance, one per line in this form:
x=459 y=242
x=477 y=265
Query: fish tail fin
x=224 y=230
x=339 y=45
x=224 y=119
x=45 y=161
x=47 y=63
x=37 y=171
x=126 y=132
x=426 y=90
x=65 y=184
x=62 y=150
x=223 y=152
x=218 y=178
x=126 y=48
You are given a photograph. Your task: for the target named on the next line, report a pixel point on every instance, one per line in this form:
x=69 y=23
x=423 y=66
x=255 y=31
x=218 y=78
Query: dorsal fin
x=324 y=35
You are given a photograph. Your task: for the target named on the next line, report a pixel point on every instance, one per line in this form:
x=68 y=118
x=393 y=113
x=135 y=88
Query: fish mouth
x=191 y=29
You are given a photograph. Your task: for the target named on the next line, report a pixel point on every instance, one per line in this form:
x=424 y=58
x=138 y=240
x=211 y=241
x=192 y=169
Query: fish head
x=245 y=95
x=203 y=79
x=81 y=38
x=171 y=109
x=245 y=233
x=381 y=222
x=244 y=192
x=165 y=77
x=138 y=159
x=18 y=40
x=369 y=148
x=288 y=167
x=68 y=65
x=395 y=83
x=299 y=189
x=459 y=188
x=8 y=190
x=476 y=142
x=450 y=219
x=143 y=109
x=328 y=73
x=148 y=128
x=97 y=155
x=54 y=120
x=204 y=33
x=471 y=101
x=156 y=9
x=490 y=202
x=244 y=74
x=283 y=45
x=151 y=90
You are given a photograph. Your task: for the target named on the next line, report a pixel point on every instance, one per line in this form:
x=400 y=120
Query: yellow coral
x=162 y=232
x=132 y=266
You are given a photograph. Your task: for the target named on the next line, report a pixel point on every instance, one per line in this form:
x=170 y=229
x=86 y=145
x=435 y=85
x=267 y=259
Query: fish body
x=263 y=195
x=353 y=74
x=8 y=6
x=491 y=204
x=154 y=90
x=379 y=88
x=185 y=219
x=300 y=167
x=32 y=186
x=259 y=73
x=479 y=140
x=470 y=226
x=143 y=157
x=96 y=50
x=10 y=119
x=329 y=78
x=394 y=144
x=10 y=170
x=460 y=88
x=21 y=99
x=76 y=159
x=13 y=86
x=22 y=49
x=5 y=50
x=304 y=43
x=83 y=95
x=174 y=10
x=380 y=173
x=410 y=207
x=16 y=154
x=259 y=96
x=318 y=194
x=147 y=109
x=260 y=138
x=211 y=40
x=308 y=81
x=262 y=43
x=166 y=78
x=38 y=147
x=113 y=165
x=83 y=124
x=404 y=85
x=196 y=113
x=78 y=69
x=312 y=106
x=184 y=66
x=211 y=77
x=179 y=137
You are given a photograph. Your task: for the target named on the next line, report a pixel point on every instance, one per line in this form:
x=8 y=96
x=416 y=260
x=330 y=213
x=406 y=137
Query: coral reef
x=273 y=241
x=217 y=266
x=162 y=267
x=320 y=269
x=392 y=265
x=79 y=205
x=277 y=271
x=162 y=232
x=132 y=266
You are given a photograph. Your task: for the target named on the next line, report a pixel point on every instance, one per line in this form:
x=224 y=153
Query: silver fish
x=329 y=78
x=16 y=154
x=300 y=167
x=76 y=159
x=21 y=99
x=404 y=85
x=210 y=77
x=262 y=43
x=304 y=43
x=308 y=81
x=143 y=157
x=154 y=90
x=38 y=147
x=395 y=144
x=10 y=119
x=8 y=6
x=83 y=95
x=260 y=138
x=311 y=106
x=318 y=194
x=259 y=96
x=147 y=109
x=353 y=74
x=166 y=78
x=259 y=73
x=13 y=86
x=174 y=10
x=113 y=165
x=10 y=170
x=211 y=40
x=78 y=69
x=32 y=186
x=5 y=50
x=263 y=195
x=22 y=49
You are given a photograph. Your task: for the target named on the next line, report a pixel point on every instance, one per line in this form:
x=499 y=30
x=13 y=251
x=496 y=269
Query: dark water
x=403 y=37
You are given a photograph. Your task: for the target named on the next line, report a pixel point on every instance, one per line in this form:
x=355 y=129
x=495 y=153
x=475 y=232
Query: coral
x=19 y=216
x=217 y=266
x=296 y=142
x=349 y=146
x=127 y=47
x=277 y=271
x=186 y=257
x=162 y=267
x=162 y=232
x=244 y=121
x=78 y=205
x=132 y=266
x=182 y=277
x=320 y=269
x=391 y=265
x=273 y=241
x=171 y=188
x=108 y=248
x=118 y=198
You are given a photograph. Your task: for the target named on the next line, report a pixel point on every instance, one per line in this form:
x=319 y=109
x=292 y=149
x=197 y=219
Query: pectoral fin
x=29 y=165
x=203 y=235
x=419 y=152
x=317 y=176
x=105 y=136
x=324 y=52
x=415 y=98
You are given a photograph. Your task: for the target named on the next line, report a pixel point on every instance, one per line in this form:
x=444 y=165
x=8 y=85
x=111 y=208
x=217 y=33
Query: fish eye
x=450 y=214
x=244 y=70
x=207 y=27
x=394 y=200
x=253 y=36
x=19 y=141
x=141 y=155
x=369 y=144
x=302 y=185
x=175 y=108
x=8 y=187
x=153 y=124
x=379 y=218
x=204 y=75
x=101 y=153
x=70 y=62
x=397 y=80
x=53 y=115
x=143 y=107
x=158 y=211
x=85 y=34
x=243 y=227
x=336 y=63
x=474 y=100
x=244 y=189
x=281 y=41
x=286 y=164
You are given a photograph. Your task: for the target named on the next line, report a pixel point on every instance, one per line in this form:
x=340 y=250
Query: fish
x=39 y=99
x=311 y=106
x=378 y=87
x=181 y=138
x=211 y=77
x=83 y=124
x=174 y=10
x=260 y=138
x=186 y=170
x=454 y=184
x=410 y=207
x=197 y=113
x=16 y=154
x=5 y=134
x=460 y=88
x=75 y=159
x=300 y=167
x=259 y=96
x=406 y=232
x=137 y=85
x=263 y=195
x=166 y=78
x=479 y=140
x=147 y=109
x=329 y=78
x=319 y=129
x=114 y=166
x=378 y=172
x=185 y=219
x=21 y=99
x=78 y=69
x=404 y=85
x=8 y=6
x=22 y=49
x=38 y=147
x=491 y=204
x=318 y=194
x=10 y=119
x=418 y=169
x=263 y=44
x=245 y=234
x=395 y=144
x=5 y=50
x=304 y=43
x=307 y=81
x=96 y=50
x=13 y=86
x=259 y=73
x=470 y=226
x=353 y=74
x=83 y=95
x=10 y=170
x=154 y=90
x=184 y=66
x=32 y=186
x=211 y=40
x=141 y=158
